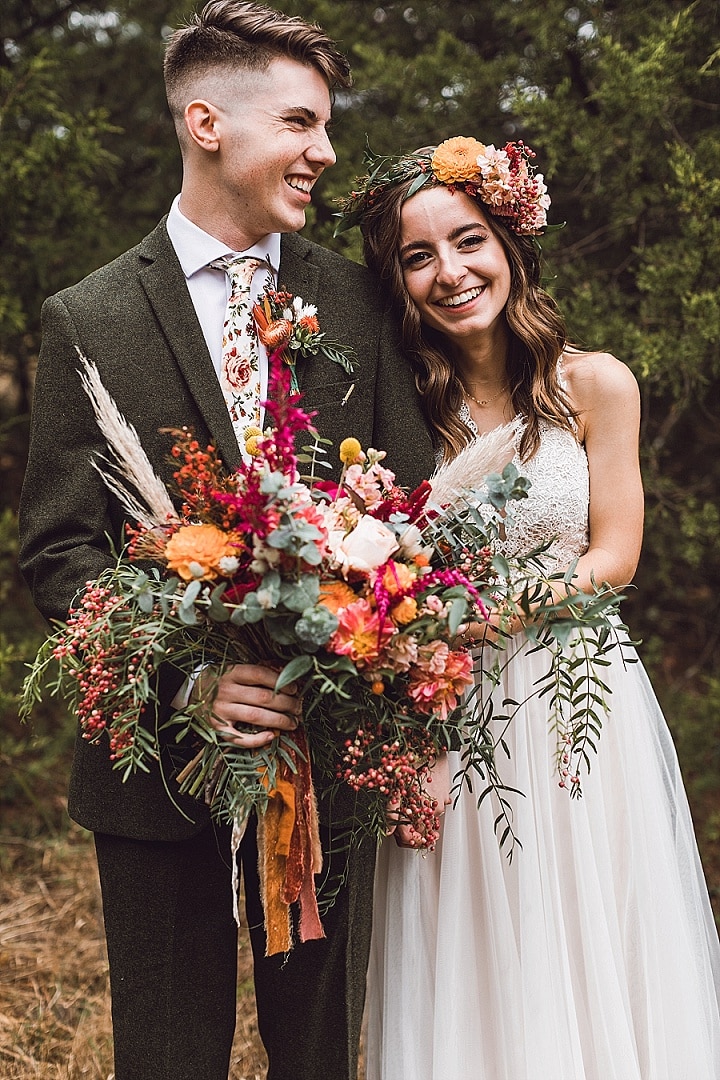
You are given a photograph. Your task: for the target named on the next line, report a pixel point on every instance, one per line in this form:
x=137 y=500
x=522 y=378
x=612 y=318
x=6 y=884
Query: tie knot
x=239 y=268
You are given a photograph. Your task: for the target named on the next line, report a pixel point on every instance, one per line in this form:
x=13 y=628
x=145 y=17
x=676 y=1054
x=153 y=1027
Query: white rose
x=411 y=543
x=369 y=545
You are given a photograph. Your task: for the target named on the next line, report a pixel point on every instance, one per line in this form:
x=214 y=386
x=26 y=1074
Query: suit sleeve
x=65 y=517
x=399 y=426
x=69 y=525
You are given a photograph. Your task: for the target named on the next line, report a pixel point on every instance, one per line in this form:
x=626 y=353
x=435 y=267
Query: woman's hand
x=245 y=694
x=440 y=783
x=499 y=624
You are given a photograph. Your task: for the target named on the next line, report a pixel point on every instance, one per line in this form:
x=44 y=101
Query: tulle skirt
x=591 y=955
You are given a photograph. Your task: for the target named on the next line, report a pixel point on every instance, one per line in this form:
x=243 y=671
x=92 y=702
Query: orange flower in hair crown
x=504 y=180
x=456 y=160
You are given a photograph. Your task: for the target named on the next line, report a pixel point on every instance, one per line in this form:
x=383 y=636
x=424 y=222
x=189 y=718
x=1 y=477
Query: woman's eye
x=474 y=240
x=415 y=258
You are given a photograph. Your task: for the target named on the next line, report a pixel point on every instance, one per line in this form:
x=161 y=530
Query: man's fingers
x=245 y=694
x=257 y=705
x=246 y=740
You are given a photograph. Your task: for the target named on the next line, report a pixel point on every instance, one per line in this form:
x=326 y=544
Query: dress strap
x=561 y=376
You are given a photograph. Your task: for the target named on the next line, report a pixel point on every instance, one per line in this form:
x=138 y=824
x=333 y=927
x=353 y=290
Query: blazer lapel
x=301 y=277
x=164 y=284
x=297 y=274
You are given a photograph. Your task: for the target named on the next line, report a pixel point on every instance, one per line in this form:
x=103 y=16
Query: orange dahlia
x=335 y=595
x=360 y=635
x=455 y=160
x=195 y=551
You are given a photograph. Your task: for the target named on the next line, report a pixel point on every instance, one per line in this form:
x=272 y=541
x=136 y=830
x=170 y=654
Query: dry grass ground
x=54 y=1001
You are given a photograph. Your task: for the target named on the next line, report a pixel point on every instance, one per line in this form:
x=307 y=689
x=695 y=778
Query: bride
x=592 y=954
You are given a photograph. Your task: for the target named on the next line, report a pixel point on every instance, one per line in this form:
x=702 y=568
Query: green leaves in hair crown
x=504 y=181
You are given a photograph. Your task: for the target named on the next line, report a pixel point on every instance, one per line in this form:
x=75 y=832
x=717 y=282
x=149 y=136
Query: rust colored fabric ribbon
x=289 y=854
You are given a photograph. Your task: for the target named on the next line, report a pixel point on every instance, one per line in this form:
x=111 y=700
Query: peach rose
x=368 y=546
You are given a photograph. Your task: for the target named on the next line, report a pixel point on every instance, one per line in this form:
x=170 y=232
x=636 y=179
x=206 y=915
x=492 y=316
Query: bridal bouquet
x=334 y=585
x=355 y=592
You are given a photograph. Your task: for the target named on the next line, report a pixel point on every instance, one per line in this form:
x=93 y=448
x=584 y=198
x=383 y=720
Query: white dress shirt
x=209 y=289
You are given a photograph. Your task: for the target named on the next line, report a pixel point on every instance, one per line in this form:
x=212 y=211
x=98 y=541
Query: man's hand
x=244 y=695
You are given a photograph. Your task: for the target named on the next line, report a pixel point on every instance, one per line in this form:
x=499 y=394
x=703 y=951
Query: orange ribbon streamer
x=289 y=854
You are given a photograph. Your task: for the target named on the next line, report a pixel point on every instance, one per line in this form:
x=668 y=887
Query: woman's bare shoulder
x=592 y=377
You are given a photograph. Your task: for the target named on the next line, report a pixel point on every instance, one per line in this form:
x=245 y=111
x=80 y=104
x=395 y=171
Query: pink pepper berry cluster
x=398 y=772
x=101 y=665
x=566 y=777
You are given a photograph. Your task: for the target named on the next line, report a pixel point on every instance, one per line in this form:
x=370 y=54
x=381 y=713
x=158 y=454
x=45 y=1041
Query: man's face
x=273 y=146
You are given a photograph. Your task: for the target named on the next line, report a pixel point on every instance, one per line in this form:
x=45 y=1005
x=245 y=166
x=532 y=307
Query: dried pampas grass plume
x=130 y=464
x=488 y=453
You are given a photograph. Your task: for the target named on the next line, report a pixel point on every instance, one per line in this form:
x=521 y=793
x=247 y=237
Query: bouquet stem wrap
x=289 y=854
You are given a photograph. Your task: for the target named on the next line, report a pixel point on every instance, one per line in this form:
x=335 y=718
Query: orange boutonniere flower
x=286 y=324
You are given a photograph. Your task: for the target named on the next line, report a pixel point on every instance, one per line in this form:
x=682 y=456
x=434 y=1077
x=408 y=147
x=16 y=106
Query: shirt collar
x=195 y=248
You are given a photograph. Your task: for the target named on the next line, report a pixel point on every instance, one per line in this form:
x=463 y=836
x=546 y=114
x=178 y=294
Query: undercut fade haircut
x=233 y=34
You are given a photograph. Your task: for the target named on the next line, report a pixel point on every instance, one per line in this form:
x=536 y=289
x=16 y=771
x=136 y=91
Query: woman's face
x=455 y=269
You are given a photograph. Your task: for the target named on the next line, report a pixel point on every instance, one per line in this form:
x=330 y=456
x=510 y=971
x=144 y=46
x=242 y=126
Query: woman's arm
x=605 y=394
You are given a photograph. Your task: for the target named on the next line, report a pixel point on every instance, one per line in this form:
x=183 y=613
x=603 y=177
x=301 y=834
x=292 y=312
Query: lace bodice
x=559 y=498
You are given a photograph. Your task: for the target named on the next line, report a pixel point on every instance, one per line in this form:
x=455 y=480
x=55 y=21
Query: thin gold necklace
x=485 y=401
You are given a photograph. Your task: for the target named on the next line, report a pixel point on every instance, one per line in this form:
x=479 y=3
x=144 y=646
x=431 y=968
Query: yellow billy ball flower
x=350 y=450
x=252 y=435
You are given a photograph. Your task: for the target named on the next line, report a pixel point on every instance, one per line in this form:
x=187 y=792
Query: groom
x=249 y=90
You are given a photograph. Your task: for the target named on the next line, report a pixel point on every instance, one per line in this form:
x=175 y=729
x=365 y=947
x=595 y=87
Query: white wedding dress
x=593 y=954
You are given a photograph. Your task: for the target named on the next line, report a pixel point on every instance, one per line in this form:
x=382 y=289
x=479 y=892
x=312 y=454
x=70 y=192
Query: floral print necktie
x=240 y=365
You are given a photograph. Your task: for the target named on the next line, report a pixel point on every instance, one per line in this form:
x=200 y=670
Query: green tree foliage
x=50 y=210
x=621 y=102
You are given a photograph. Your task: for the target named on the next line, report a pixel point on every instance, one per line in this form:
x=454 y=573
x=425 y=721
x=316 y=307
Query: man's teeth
x=300 y=185
x=461 y=298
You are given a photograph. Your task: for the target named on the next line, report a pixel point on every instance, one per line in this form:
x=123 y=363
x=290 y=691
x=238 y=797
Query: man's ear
x=201 y=121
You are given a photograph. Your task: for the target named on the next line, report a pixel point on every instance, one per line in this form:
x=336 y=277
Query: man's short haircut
x=235 y=34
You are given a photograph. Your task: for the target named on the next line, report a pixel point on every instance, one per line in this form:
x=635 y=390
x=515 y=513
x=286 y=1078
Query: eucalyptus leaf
x=297 y=667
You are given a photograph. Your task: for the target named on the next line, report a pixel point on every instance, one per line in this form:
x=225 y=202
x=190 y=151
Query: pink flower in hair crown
x=504 y=180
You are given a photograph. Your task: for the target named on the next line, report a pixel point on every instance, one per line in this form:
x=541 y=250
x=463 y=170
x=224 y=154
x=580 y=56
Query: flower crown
x=504 y=180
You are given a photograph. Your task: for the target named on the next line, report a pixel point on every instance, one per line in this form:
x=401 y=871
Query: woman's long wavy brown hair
x=537 y=332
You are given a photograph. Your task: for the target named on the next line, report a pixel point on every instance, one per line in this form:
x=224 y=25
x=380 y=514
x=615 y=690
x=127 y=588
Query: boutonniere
x=285 y=322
